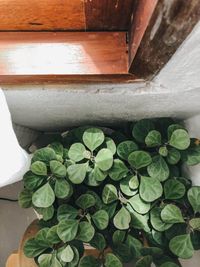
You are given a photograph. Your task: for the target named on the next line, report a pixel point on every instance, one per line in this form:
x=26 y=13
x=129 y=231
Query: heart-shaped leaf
x=158 y=168
x=181 y=246
x=173 y=156
x=118 y=237
x=171 y=214
x=194 y=198
x=52 y=236
x=195 y=224
x=163 y=151
x=47 y=213
x=62 y=188
x=85 y=201
x=193 y=156
x=101 y=219
x=58 y=148
x=25 y=199
x=109 y=194
x=134 y=182
x=32 y=248
x=141 y=129
x=110 y=144
x=44 y=260
x=76 y=152
x=112 y=260
x=44 y=197
x=153 y=139
x=172 y=128
x=77 y=172
x=125 y=187
x=33 y=181
x=139 y=205
x=67 y=254
x=98 y=242
x=104 y=159
x=39 y=168
x=150 y=189
x=180 y=139
x=139 y=159
x=89 y=261
x=86 y=232
x=93 y=138
x=156 y=222
x=125 y=148
x=98 y=174
x=145 y=261
x=66 y=211
x=122 y=219
x=118 y=170
x=67 y=230
x=45 y=154
x=58 y=169
x=174 y=189
x=138 y=221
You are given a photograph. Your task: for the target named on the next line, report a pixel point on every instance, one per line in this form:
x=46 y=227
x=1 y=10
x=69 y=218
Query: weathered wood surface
x=171 y=23
x=50 y=55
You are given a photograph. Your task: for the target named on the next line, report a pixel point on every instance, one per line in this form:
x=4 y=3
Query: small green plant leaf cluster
x=124 y=194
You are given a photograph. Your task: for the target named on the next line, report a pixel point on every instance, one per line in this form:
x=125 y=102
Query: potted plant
x=124 y=194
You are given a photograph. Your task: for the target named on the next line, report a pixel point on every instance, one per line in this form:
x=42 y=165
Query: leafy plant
x=123 y=194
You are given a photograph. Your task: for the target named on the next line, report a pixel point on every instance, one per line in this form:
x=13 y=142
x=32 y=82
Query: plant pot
x=30 y=232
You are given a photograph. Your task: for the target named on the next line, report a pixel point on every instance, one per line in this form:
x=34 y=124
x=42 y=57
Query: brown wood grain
x=142 y=14
x=35 y=15
x=46 y=54
x=170 y=24
x=108 y=14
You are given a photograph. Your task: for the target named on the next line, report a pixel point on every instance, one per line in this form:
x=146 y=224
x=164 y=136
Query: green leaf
x=98 y=242
x=93 y=138
x=145 y=261
x=58 y=169
x=181 y=246
x=141 y=129
x=156 y=221
x=195 y=224
x=75 y=260
x=67 y=254
x=77 y=172
x=109 y=194
x=138 y=221
x=139 y=205
x=174 y=189
x=134 y=244
x=125 y=187
x=180 y=139
x=118 y=170
x=52 y=236
x=66 y=211
x=134 y=182
x=125 y=148
x=55 y=262
x=153 y=139
x=98 y=174
x=41 y=237
x=58 y=148
x=118 y=237
x=47 y=213
x=89 y=261
x=32 y=181
x=172 y=128
x=32 y=248
x=25 y=199
x=101 y=219
x=122 y=219
x=163 y=151
x=171 y=214
x=39 y=168
x=158 y=168
x=194 y=198
x=67 y=230
x=62 y=188
x=153 y=251
x=44 y=260
x=173 y=156
x=110 y=144
x=45 y=154
x=44 y=197
x=110 y=208
x=104 y=159
x=150 y=189
x=169 y=264
x=193 y=156
x=85 y=201
x=139 y=159
x=86 y=232
x=111 y=260
x=77 y=152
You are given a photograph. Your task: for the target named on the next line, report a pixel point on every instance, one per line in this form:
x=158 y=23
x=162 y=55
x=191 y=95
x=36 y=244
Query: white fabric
x=14 y=161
